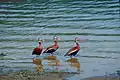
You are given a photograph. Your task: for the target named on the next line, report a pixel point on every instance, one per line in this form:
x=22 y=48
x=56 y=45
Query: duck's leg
x=51 y=54
x=71 y=56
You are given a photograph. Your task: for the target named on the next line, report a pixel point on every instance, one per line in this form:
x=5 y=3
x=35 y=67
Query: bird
x=74 y=50
x=38 y=50
x=53 y=47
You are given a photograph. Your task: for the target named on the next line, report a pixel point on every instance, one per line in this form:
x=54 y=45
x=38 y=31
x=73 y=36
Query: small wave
x=106 y=57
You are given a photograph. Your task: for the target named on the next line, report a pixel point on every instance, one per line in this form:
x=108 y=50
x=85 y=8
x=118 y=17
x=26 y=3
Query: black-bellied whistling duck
x=54 y=47
x=73 y=51
x=38 y=50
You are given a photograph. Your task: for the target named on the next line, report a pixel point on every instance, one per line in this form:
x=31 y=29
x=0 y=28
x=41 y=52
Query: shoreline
x=29 y=75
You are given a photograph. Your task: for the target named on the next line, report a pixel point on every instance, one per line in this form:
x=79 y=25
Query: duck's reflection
x=53 y=61
x=74 y=62
x=38 y=62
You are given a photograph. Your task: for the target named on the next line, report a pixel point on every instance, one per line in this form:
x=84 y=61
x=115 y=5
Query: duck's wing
x=37 y=51
x=49 y=48
x=72 y=50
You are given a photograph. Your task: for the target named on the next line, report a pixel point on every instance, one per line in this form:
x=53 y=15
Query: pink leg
x=70 y=56
x=51 y=54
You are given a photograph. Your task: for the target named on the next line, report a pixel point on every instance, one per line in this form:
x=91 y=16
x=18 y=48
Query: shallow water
x=95 y=21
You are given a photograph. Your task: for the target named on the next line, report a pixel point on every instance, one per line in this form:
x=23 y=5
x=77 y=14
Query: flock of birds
x=51 y=49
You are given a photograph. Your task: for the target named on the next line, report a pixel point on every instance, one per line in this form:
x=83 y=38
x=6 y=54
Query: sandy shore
x=28 y=75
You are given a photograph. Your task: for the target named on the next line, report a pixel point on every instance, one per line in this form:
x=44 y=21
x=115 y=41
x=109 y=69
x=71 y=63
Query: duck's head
x=78 y=39
x=40 y=40
x=55 y=38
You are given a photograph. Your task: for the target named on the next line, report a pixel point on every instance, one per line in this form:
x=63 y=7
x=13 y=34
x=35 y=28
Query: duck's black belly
x=50 y=51
x=73 y=54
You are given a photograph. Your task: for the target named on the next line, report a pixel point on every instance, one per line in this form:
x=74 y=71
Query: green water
x=96 y=21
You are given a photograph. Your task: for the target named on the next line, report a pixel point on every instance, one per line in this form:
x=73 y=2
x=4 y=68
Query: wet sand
x=29 y=75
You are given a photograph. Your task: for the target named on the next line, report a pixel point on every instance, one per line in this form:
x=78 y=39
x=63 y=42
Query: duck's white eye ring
x=54 y=37
x=40 y=39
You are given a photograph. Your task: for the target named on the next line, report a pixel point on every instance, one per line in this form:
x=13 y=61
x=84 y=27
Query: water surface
x=95 y=21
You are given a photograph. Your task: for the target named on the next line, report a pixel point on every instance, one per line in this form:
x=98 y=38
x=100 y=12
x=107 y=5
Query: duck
x=74 y=50
x=38 y=50
x=51 y=49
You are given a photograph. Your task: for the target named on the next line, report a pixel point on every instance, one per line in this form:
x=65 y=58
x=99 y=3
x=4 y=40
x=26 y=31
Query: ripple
x=94 y=21
x=100 y=57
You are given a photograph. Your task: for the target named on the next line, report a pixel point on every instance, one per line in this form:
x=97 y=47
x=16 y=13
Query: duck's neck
x=40 y=44
x=56 y=42
x=77 y=44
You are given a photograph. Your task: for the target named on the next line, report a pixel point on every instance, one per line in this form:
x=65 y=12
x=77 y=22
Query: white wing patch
x=49 y=49
x=72 y=51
